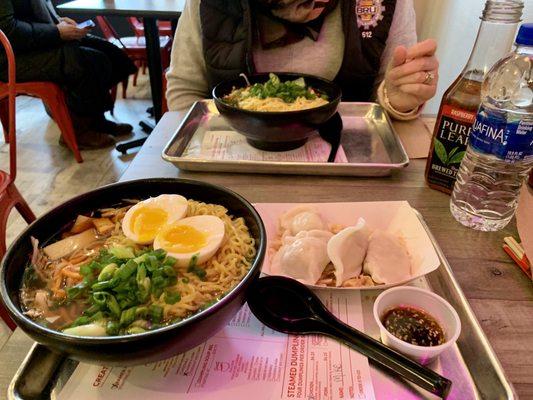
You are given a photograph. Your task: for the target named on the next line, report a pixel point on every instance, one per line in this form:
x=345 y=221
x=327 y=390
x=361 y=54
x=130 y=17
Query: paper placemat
x=415 y=137
x=231 y=146
x=245 y=360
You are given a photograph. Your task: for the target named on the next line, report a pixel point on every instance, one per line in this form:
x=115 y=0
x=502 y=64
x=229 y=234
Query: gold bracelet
x=390 y=108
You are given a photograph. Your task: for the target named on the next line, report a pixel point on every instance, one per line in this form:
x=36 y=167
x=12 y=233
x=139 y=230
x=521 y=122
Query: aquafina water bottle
x=500 y=150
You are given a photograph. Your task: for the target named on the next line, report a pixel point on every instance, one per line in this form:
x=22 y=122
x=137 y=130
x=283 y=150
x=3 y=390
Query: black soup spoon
x=288 y=306
x=331 y=132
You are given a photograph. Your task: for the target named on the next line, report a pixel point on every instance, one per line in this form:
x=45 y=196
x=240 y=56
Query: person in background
x=50 y=48
x=368 y=47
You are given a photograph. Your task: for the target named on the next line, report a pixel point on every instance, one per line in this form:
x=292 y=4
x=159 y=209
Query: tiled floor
x=47 y=173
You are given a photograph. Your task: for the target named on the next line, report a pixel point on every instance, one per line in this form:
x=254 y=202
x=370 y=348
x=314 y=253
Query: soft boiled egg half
x=199 y=236
x=145 y=219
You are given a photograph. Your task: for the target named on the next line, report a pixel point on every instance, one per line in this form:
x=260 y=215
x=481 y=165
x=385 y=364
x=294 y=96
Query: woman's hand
x=68 y=20
x=68 y=31
x=412 y=76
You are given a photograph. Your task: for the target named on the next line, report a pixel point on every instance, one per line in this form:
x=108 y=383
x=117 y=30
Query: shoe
x=113 y=128
x=90 y=140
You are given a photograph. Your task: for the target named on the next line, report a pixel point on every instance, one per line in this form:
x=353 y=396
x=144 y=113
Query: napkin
x=524 y=216
x=415 y=137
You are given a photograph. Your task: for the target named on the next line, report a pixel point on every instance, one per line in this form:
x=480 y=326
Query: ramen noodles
x=136 y=267
x=276 y=96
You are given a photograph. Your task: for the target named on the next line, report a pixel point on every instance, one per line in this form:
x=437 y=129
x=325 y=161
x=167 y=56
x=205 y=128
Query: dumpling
x=303 y=257
x=347 y=250
x=299 y=219
x=387 y=259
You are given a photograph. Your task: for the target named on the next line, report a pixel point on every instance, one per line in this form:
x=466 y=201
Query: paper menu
x=226 y=145
x=244 y=360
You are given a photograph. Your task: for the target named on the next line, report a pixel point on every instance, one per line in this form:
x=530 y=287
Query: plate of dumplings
x=360 y=245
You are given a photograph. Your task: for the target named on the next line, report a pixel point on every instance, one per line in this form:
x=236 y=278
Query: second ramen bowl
x=149 y=346
x=280 y=130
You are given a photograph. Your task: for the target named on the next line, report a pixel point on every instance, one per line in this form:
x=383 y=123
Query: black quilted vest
x=227 y=34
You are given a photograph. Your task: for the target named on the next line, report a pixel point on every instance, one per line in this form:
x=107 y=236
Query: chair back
x=136 y=24
x=12 y=94
x=107 y=29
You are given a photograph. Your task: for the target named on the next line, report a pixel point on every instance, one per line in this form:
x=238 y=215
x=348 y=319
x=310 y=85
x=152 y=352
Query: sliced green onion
x=80 y=321
x=135 y=329
x=141 y=312
x=113 y=306
x=172 y=297
x=156 y=313
x=98 y=316
x=126 y=270
x=91 y=310
x=168 y=270
x=127 y=316
x=100 y=298
x=112 y=327
x=160 y=254
x=170 y=261
x=105 y=284
x=107 y=272
x=122 y=252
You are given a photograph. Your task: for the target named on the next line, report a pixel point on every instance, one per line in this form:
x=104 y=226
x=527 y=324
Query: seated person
x=368 y=47
x=50 y=48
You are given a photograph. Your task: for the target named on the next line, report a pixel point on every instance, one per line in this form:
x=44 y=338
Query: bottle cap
x=525 y=35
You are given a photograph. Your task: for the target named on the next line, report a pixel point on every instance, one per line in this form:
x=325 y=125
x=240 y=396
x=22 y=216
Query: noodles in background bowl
x=276 y=96
x=48 y=282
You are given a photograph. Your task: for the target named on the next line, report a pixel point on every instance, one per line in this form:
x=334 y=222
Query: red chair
x=165 y=27
x=9 y=195
x=134 y=47
x=52 y=95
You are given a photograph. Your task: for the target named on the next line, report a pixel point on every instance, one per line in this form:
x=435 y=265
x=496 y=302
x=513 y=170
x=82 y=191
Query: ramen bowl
x=279 y=130
x=149 y=346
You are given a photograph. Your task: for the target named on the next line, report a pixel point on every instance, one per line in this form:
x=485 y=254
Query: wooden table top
x=499 y=293
x=127 y=8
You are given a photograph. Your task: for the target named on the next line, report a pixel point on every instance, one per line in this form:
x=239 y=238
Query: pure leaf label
x=449 y=144
x=452 y=152
x=440 y=150
x=457 y=158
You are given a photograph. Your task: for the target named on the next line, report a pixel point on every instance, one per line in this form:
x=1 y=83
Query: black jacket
x=228 y=29
x=29 y=25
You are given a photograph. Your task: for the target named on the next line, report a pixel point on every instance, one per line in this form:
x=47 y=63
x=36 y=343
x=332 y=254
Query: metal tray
x=368 y=139
x=471 y=365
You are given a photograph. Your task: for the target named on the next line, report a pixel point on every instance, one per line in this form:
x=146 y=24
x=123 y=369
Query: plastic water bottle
x=500 y=150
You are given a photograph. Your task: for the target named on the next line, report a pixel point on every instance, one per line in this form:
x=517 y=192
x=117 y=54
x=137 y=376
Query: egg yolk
x=147 y=221
x=182 y=239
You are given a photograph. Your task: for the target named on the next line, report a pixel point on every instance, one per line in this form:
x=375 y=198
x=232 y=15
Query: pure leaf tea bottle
x=460 y=102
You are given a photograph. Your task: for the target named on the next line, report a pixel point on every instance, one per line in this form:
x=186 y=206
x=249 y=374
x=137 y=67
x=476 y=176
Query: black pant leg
x=121 y=65
x=85 y=74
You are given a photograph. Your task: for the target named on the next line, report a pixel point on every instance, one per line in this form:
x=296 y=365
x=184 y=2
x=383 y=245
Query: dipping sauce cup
x=432 y=304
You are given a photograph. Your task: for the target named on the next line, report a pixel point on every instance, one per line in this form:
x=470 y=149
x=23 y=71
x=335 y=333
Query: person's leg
x=121 y=65
x=84 y=72
x=85 y=75
x=121 y=68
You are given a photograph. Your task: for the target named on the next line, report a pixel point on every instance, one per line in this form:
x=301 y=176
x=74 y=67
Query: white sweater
x=187 y=76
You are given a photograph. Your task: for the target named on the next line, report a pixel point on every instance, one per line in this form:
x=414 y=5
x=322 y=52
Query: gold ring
x=429 y=78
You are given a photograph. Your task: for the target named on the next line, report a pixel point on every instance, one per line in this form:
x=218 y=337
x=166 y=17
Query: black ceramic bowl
x=149 y=346
x=277 y=131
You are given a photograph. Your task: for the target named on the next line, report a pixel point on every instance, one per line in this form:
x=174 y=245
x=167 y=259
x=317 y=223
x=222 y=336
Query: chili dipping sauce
x=413 y=326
